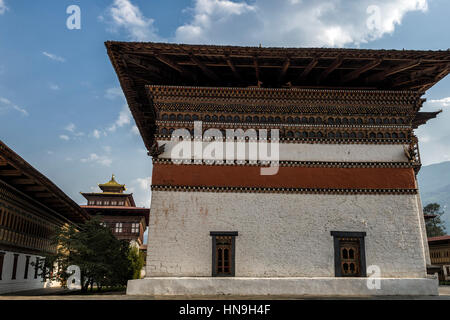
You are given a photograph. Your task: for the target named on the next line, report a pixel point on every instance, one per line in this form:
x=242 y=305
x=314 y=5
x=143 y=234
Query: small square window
x=135 y=228
x=118 y=227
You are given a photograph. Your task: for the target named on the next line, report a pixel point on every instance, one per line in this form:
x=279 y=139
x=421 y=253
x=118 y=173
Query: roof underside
x=17 y=173
x=140 y=64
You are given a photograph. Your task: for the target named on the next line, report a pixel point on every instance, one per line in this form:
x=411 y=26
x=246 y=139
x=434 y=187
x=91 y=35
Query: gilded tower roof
x=112 y=186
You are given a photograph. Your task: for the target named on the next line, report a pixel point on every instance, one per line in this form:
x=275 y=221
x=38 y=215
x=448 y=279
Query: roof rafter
x=211 y=74
x=308 y=69
x=333 y=66
x=284 y=69
x=386 y=73
x=232 y=67
x=356 y=73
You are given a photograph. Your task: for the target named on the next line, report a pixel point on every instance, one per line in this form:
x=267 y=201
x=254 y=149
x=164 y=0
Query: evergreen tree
x=434 y=226
x=104 y=261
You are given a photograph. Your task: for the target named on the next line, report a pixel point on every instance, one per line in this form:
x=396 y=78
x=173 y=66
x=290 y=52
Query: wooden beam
x=22 y=181
x=415 y=76
x=333 y=66
x=141 y=63
x=3 y=162
x=356 y=73
x=284 y=69
x=204 y=68
x=256 y=66
x=389 y=72
x=10 y=173
x=308 y=69
x=174 y=66
x=233 y=68
x=43 y=195
x=35 y=188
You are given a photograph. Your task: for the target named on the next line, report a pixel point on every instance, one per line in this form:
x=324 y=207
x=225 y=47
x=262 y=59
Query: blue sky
x=61 y=106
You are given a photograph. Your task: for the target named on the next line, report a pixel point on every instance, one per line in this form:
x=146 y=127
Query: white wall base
x=204 y=286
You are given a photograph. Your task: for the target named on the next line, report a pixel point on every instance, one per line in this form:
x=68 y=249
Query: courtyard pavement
x=62 y=294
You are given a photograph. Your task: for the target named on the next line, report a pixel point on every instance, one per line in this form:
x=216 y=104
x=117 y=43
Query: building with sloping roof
x=334 y=202
x=31 y=208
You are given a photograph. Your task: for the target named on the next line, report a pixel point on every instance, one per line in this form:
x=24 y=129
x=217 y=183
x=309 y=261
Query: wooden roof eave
x=39 y=187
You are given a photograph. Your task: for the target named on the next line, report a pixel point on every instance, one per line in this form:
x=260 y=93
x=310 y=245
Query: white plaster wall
x=8 y=285
x=282 y=235
x=319 y=152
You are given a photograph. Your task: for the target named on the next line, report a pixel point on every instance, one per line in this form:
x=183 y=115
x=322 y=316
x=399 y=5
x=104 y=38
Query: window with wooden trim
x=135 y=228
x=14 y=270
x=223 y=253
x=119 y=227
x=2 y=259
x=27 y=263
x=349 y=254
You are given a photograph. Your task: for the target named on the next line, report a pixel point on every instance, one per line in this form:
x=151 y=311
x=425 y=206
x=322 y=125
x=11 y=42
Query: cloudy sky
x=61 y=107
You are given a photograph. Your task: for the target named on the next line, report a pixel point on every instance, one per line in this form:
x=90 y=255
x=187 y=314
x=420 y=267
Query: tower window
x=223 y=253
x=349 y=254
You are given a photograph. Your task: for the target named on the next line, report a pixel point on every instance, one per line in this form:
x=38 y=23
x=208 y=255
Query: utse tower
x=344 y=203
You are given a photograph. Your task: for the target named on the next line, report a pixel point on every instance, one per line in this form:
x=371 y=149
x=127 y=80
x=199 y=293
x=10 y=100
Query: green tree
x=434 y=226
x=136 y=261
x=104 y=261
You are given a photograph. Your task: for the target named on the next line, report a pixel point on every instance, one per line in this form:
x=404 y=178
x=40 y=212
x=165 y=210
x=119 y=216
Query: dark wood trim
x=27 y=264
x=362 y=251
x=2 y=259
x=14 y=270
x=233 y=235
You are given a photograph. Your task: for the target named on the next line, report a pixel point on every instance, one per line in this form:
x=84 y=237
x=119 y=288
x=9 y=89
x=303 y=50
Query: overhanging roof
x=118 y=210
x=19 y=174
x=139 y=64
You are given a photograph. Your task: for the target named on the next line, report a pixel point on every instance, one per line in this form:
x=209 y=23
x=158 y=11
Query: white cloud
x=5 y=104
x=3 y=7
x=102 y=160
x=96 y=134
x=144 y=183
x=64 y=137
x=444 y=102
x=140 y=188
x=70 y=127
x=123 y=119
x=113 y=93
x=53 y=86
x=53 y=57
x=135 y=130
x=435 y=134
x=124 y=15
x=294 y=23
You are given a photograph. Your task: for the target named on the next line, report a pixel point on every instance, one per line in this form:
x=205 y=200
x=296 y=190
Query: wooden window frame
x=233 y=235
x=15 y=263
x=2 y=260
x=337 y=254
x=27 y=263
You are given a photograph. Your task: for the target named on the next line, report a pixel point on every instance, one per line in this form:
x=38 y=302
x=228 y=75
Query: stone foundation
x=208 y=286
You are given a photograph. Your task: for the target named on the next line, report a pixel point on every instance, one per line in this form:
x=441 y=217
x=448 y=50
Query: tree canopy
x=434 y=226
x=103 y=260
